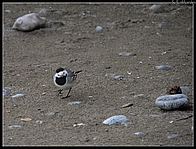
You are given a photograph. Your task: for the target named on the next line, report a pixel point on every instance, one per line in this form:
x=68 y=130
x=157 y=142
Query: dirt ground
x=31 y=58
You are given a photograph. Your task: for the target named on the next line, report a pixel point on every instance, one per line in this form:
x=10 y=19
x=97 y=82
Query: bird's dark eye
x=59 y=70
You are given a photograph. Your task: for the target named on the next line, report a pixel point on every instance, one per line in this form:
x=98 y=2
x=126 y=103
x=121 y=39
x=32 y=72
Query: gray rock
x=99 y=29
x=163 y=67
x=117 y=119
x=7 y=91
x=29 y=22
x=170 y=102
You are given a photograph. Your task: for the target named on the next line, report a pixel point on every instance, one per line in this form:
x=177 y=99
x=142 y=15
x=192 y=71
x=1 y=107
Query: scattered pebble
x=163 y=67
x=172 y=136
x=29 y=22
x=18 y=95
x=90 y=96
x=126 y=54
x=139 y=134
x=155 y=8
x=44 y=93
x=7 y=91
x=14 y=126
x=129 y=73
x=127 y=105
x=115 y=76
x=139 y=95
x=117 y=119
x=26 y=119
x=140 y=62
x=163 y=53
x=39 y=121
x=7 y=11
x=164 y=25
x=50 y=113
x=171 y=122
x=119 y=77
x=185 y=90
x=79 y=124
x=74 y=103
x=99 y=29
x=169 y=102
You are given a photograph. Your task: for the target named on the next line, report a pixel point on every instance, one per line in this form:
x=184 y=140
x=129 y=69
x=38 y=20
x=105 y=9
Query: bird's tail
x=76 y=72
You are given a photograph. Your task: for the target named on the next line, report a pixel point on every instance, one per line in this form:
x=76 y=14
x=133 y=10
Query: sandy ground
x=31 y=58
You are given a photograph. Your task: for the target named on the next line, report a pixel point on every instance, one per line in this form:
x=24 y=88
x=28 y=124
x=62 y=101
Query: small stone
x=74 y=103
x=7 y=91
x=44 y=93
x=117 y=119
x=139 y=95
x=140 y=62
x=14 y=126
x=155 y=8
x=25 y=119
x=172 y=136
x=163 y=53
x=139 y=134
x=171 y=122
x=39 y=121
x=99 y=29
x=18 y=95
x=127 y=105
x=7 y=11
x=126 y=54
x=163 y=67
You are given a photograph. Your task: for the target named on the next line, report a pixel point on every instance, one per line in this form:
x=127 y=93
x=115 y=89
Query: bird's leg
x=68 y=93
x=60 y=92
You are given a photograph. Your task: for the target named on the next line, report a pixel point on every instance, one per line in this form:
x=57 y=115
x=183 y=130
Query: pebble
x=139 y=134
x=155 y=8
x=50 y=113
x=7 y=11
x=39 y=121
x=79 y=124
x=29 y=22
x=164 y=25
x=163 y=67
x=172 y=136
x=127 y=105
x=7 y=91
x=118 y=77
x=117 y=119
x=126 y=54
x=14 y=126
x=139 y=95
x=185 y=90
x=17 y=95
x=74 y=103
x=99 y=29
x=170 y=102
x=25 y=119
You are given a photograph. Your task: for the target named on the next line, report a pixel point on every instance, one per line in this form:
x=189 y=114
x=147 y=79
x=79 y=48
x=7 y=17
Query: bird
x=65 y=78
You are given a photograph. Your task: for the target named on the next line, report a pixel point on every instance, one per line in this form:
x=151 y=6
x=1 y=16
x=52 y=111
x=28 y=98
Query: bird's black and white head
x=60 y=77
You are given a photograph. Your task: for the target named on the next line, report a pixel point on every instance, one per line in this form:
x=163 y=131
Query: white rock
x=7 y=91
x=155 y=8
x=169 y=102
x=17 y=95
x=29 y=22
x=163 y=67
x=139 y=134
x=117 y=119
x=99 y=29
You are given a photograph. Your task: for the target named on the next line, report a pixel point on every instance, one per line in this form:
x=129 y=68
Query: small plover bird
x=64 y=79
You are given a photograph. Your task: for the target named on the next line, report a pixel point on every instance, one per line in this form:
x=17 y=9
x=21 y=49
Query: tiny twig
x=185 y=118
